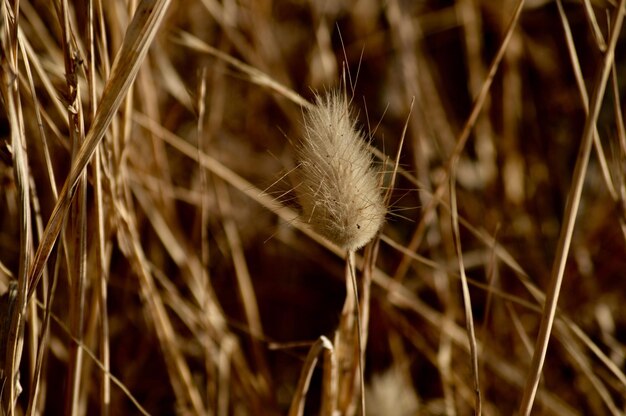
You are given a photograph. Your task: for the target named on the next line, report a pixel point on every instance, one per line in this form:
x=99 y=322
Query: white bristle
x=339 y=191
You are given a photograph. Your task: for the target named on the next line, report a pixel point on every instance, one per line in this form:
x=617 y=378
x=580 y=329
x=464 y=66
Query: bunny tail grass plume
x=338 y=189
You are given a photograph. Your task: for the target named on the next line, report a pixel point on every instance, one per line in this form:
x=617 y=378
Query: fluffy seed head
x=390 y=394
x=338 y=189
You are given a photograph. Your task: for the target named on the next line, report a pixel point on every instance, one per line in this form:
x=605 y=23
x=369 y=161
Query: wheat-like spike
x=339 y=190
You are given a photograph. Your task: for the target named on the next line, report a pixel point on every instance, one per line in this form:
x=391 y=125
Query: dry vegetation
x=150 y=255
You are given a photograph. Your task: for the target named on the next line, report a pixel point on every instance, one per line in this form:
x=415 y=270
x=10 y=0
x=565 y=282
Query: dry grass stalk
x=166 y=276
x=138 y=38
x=11 y=100
x=320 y=346
x=569 y=219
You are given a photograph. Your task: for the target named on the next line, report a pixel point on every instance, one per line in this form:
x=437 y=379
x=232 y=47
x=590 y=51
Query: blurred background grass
x=197 y=235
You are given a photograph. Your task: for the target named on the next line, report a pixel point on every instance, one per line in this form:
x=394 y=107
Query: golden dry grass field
x=153 y=255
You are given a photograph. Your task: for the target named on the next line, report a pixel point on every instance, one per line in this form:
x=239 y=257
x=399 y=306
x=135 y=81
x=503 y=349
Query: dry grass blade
x=43 y=75
x=329 y=384
x=486 y=87
x=16 y=331
x=44 y=141
x=256 y=76
x=101 y=262
x=201 y=291
x=360 y=309
x=464 y=136
x=246 y=288
x=297 y=403
x=189 y=398
x=585 y=98
x=11 y=100
x=218 y=169
x=178 y=256
x=467 y=302
x=621 y=133
x=100 y=365
x=454 y=159
x=139 y=36
x=402 y=298
x=39 y=385
x=621 y=130
x=569 y=220
x=593 y=22
x=587 y=368
x=76 y=229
